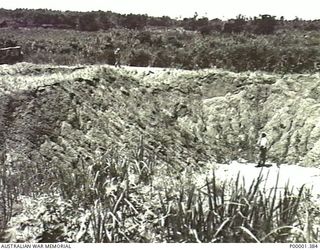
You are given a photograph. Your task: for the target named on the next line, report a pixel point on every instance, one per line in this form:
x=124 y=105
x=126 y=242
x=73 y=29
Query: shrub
x=162 y=59
x=140 y=58
x=182 y=212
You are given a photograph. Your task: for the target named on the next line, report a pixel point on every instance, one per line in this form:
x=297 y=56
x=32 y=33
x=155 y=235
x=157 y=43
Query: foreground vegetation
x=124 y=202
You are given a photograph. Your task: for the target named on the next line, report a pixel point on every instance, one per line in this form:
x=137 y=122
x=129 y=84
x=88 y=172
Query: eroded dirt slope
x=70 y=115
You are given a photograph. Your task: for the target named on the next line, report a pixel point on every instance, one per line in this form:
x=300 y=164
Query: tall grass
x=119 y=202
x=230 y=213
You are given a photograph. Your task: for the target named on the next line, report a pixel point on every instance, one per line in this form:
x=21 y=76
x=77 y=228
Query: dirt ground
x=294 y=176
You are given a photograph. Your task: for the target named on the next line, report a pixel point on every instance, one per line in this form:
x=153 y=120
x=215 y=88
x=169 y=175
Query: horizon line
x=180 y=17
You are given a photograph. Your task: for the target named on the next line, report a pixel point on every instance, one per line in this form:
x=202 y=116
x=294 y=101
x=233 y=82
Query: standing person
x=263 y=147
x=117 y=57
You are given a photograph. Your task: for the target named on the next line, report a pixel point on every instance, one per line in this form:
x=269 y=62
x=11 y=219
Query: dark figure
x=263 y=147
x=117 y=58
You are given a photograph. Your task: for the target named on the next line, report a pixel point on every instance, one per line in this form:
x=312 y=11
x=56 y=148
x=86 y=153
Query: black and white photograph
x=135 y=121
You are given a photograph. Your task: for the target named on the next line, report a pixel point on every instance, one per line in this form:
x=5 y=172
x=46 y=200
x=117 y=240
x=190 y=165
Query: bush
x=162 y=59
x=140 y=58
x=145 y=37
x=183 y=59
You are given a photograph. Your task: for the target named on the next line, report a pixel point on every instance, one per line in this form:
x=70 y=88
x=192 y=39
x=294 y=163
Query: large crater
x=57 y=115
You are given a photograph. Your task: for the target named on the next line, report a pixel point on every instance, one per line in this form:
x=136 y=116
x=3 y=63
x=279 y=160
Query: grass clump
x=118 y=201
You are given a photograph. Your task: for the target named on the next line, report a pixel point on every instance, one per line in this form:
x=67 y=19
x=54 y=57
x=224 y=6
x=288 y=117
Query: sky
x=223 y=9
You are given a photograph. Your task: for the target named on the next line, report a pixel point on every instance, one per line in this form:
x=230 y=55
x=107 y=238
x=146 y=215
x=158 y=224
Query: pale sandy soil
x=296 y=176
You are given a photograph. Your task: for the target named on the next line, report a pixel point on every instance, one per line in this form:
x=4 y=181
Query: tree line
x=104 y=20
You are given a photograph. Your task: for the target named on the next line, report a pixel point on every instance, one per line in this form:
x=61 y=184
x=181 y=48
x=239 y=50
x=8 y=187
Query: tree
x=132 y=21
x=145 y=37
x=104 y=20
x=235 y=25
x=88 y=22
x=163 y=21
x=162 y=59
x=140 y=58
x=265 y=24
